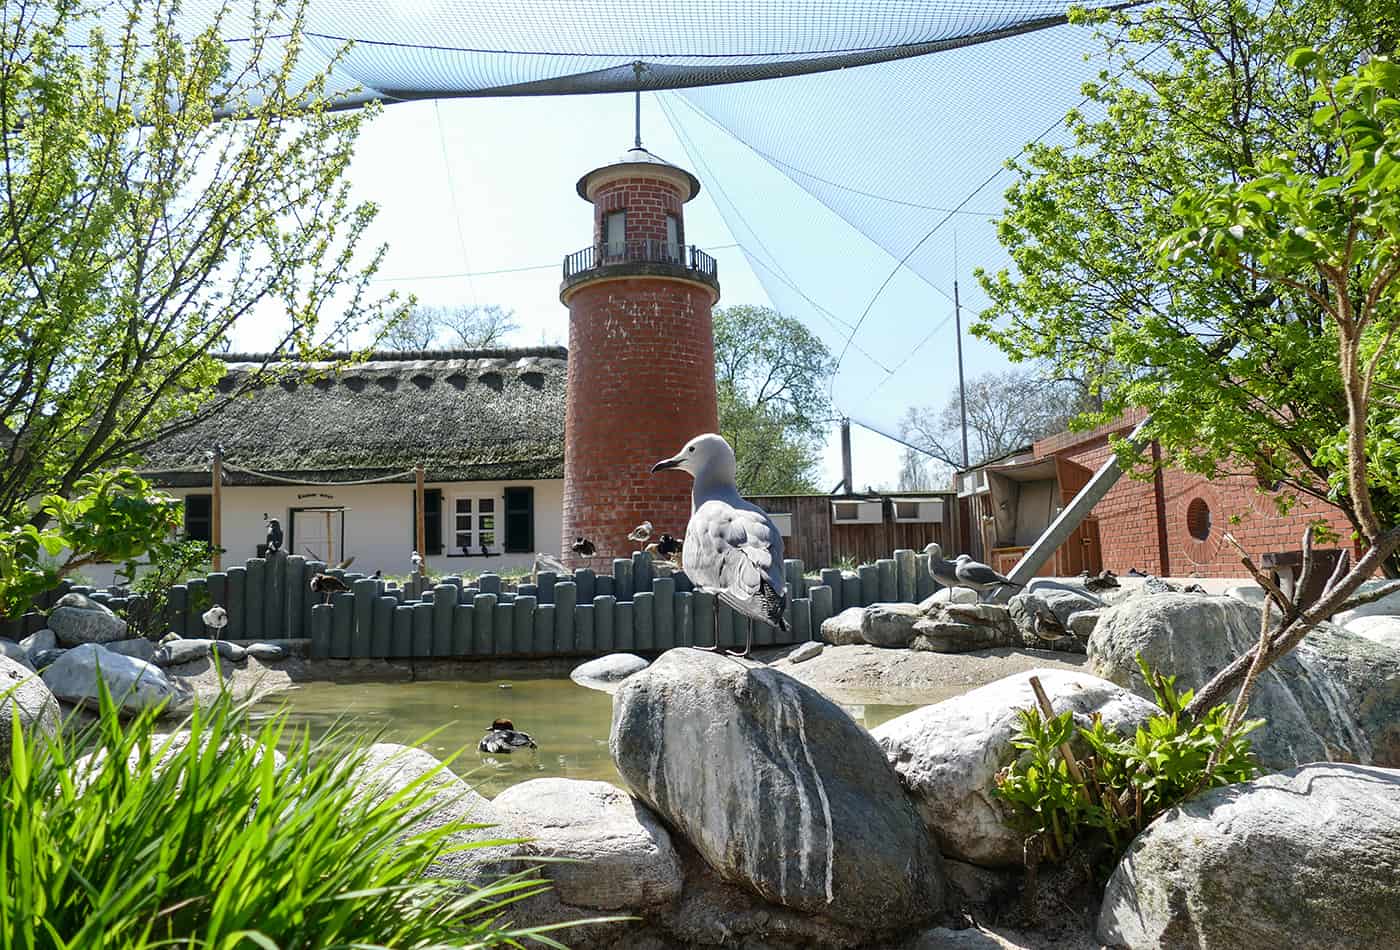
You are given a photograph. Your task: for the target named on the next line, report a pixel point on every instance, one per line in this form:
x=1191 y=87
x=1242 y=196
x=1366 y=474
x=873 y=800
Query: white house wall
x=378 y=524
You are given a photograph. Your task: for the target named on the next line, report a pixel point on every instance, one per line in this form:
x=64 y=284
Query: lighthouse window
x=615 y=234
x=673 y=237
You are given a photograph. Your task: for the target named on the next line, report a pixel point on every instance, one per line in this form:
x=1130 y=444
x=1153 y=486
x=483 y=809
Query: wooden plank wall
x=815 y=540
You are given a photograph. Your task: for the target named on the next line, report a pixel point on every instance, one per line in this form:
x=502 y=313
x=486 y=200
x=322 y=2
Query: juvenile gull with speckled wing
x=732 y=548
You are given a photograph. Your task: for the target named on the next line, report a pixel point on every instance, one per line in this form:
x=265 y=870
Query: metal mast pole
x=957 y=319
x=637 y=68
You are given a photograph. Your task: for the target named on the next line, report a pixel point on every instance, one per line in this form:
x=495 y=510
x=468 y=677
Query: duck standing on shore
x=503 y=739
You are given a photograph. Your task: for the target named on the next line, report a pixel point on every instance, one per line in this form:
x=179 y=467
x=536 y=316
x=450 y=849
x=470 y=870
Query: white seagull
x=732 y=548
x=980 y=577
x=943 y=572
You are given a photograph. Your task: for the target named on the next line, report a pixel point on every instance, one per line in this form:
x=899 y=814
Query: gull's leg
x=714 y=628
x=748 y=641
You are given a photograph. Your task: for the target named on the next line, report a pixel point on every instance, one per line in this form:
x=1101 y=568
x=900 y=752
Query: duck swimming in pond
x=503 y=739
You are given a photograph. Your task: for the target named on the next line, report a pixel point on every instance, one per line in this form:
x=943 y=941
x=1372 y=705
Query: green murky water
x=569 y=722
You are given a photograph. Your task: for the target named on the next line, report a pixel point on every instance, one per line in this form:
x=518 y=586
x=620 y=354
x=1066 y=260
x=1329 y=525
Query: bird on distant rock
x=979 y=576
x=641 y=533
x=668 y=547
x=503 y=739
x=328 y=584
x=1134 y=572
x=583 y=547
x=943 y=572
x=215 y=619
x=1097 y=583
x=1047 y=626
x=417 y=560
x=732 y=548
x=378 y=573
x=274 y=535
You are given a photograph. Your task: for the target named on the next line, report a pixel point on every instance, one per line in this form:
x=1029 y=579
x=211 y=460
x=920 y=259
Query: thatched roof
x=467 y=415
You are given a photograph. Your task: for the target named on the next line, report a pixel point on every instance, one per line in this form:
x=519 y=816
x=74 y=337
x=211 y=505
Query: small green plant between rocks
x=1126 y=781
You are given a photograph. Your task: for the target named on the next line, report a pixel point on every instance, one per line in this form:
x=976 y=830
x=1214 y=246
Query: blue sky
x=477 y=205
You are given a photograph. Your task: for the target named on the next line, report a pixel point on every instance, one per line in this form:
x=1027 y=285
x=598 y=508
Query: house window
x=473 y=523
x=199 y=518
x=615 y=234
x=432 y=521
x=520 y=520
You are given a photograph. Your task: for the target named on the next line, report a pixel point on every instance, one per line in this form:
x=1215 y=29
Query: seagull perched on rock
x=327 y=584
x=943 y=572
x=732 y=548
x=641 y=533
x=583 y=547
x=979 y=576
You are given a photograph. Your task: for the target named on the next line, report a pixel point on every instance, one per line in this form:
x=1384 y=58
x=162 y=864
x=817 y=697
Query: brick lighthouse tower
x=641 y=354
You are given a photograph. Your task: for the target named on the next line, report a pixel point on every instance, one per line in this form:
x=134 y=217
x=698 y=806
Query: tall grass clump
x=116 y=836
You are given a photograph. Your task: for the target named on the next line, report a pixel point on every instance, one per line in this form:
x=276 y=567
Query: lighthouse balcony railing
x=688 y=257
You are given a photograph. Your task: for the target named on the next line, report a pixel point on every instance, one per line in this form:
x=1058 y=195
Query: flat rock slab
x=134 y=684
x=947 y=755
x=76 y=619
x=616 y=855
x=806 y=651
x=777 y=788
x=1309 y=857
x=606 y=672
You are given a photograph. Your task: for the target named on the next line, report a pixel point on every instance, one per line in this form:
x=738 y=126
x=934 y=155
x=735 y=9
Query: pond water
x=569 y=722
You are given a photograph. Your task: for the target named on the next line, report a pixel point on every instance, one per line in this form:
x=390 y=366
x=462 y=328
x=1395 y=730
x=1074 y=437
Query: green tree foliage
x=771 y=373
x=118 y=835
x=156 y=189
x=1241 y=373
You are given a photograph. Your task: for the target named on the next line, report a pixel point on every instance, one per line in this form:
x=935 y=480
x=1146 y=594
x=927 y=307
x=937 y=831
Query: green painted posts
x=275 y=597
x=923 y=583
x=889 y=580
x=622 y=578
x=585 y=640
x=663 y=608
x=462 y=629
x=587 y=584
x=869 y=584
x=684 y=623
x=342 y=624
x=702 y=609
x=297 y=592
x=624 y=637
x=683 y=582
x=724 y=623
x=604 y=586
x=255 y=618
x=831 y=577
x=218 y=592
x=381 y=636
x=403 y=631
x=321 y=630
x=489 y=583
x=801 y=620
x=444 y=604
x=177 y=608
x=792 y=576
x=904 y=574
x=565 y=599
x=641 y=573
x=197 y=594
x=237 y=584
x=484 y=622
x=543 y=639
x=422 y=630
x=366 y=593
x=523 y=624
x=740 y=629
x=604 y=610
x=545 y=581
x=528 y=590
x=312 y=569
x=502 y=622
x=644 y=619
x=851 y=588
x=822 y=608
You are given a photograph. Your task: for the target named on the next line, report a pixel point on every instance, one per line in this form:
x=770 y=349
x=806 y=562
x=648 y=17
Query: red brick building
x=1171 y=526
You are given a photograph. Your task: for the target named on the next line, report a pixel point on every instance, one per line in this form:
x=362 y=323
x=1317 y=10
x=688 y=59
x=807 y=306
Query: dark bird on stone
x=274 y=535
x=503 y=739
x=668 y=547
x=1047 y=626
x=328 y=584
x=1134 y=572
x=583 y=547
x=1097 y=583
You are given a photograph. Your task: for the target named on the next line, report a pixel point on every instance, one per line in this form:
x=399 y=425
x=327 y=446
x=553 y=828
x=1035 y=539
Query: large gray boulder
x=1387 y=606
x=1061 y=603
x=890 y=625
x=947 y=755
x=13 y=651
x=614 y=853
x=22 y=690
x=777 y=788
x=78 y=619
x=1309 y=857
x=1381 y=628
x=606 y=672
x=844 y=629
x=1335 y=698
x=963 y=628
x=134 y=684
x=388 y=768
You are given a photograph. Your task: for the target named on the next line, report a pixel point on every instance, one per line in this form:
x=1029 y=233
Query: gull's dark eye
x=691 y=449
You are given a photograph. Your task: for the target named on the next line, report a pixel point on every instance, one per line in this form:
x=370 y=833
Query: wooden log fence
x=636 y=608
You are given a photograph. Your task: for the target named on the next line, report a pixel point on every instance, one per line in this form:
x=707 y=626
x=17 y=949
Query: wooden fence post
x=216 y=505
x=421 y=528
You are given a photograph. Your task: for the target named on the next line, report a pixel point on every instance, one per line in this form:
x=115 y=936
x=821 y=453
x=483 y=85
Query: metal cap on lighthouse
x=641 y=354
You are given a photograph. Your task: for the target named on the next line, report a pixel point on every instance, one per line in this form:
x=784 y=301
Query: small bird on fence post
x=328 y=584
x=274 y=535
x=583 y=547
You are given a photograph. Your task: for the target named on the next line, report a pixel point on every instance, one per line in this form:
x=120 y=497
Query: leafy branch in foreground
x=115 y=835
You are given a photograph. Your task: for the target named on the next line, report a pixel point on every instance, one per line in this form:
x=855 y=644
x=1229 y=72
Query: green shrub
x=168 y=563
x=1128 y=781
x=208 y=844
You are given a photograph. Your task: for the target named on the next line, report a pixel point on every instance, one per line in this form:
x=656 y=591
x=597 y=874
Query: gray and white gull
x=943 y=572
x=732 y=548
x=979 y=576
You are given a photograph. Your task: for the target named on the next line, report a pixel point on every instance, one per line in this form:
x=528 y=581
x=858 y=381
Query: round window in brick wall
x=1198 y=519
